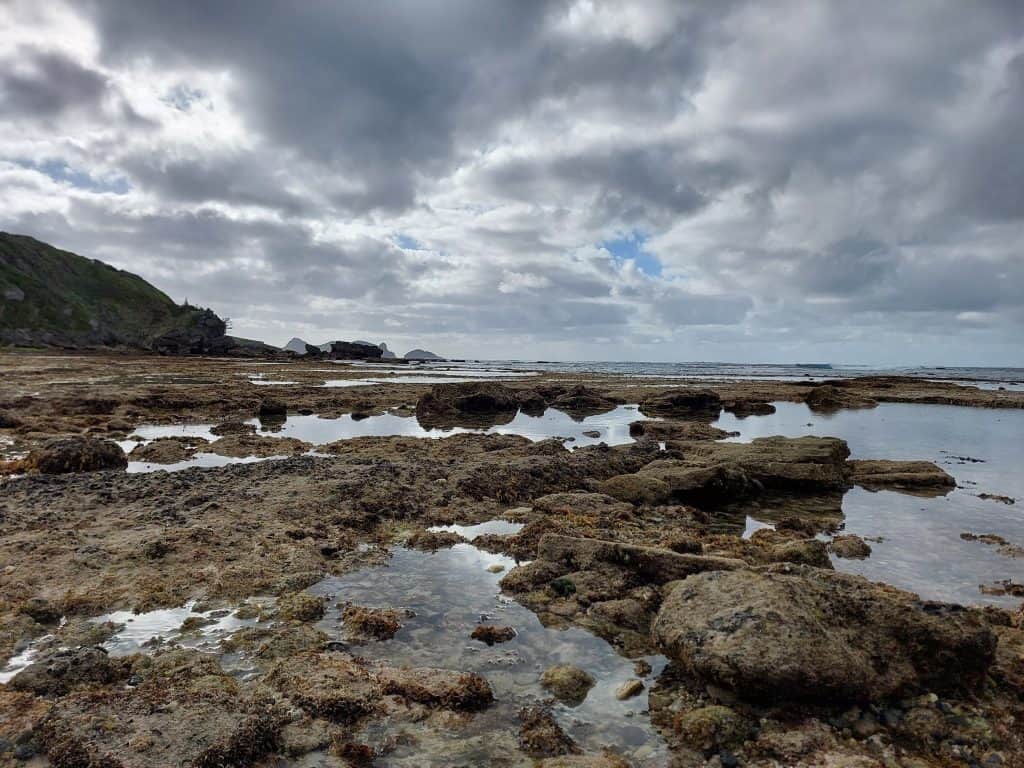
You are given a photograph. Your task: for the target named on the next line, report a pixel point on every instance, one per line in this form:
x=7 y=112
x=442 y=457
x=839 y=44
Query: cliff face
x=50 y=297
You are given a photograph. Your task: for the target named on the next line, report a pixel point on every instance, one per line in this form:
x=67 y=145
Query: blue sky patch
x=58 y=170
x=631 y=248
x=407 y=243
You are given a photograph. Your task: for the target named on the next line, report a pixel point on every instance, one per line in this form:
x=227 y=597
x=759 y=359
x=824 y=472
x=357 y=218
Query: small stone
x=490 y=634
x=496 y=568
x=629 y=689
x=865 y=726
x=567 y=683
x=891 y=717
x=641 y=668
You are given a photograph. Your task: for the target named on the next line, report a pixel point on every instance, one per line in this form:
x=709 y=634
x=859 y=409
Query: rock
x=567 y=683
x=431 y=541
x=849 y=546
x=910 y=476
x=490 y=634
x=712 y=727
x=704 y=486
x=827 y=398
x=649 y=564
x=76 y=454
x=592 y=433
x=300 y=606
x=62 y=671
x=676 y=430
x=997 y=497
x=606 y=760
x=277 y=641
x=330 y=686
x=354 y=350
x=715 y=473
x=180 y=710
x=629 y=689
x=541 y=736
x=41 y=610
x=421 y=354
x=800 y=633
x=372 y=623
x=166 y=450
x=581 y=399
x=636 y=489
x=743 y=408
x=235 y=428
x=273 y=408
x=445 y=402
x=465 y=691
x=692 y=403
x=241 y=446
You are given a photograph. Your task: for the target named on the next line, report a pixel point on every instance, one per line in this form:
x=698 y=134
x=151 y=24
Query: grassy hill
x=50 y=297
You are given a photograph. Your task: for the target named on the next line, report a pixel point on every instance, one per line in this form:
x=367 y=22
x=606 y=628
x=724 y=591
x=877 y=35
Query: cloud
x=807 y=180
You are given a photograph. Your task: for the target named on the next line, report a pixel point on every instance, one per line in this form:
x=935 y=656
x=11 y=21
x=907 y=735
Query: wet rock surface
x=75 y=454
x=778 y=633
x=839 y=671
x=921 y=477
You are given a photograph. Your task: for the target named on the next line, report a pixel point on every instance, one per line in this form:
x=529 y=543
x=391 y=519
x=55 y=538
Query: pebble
x=628 y=690
x=496 y=568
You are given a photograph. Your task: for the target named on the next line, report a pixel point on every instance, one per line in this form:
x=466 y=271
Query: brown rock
x=76 y=454
x=909 y=476
x=795 y=632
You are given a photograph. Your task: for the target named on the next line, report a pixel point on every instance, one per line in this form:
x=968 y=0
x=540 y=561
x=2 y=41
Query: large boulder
x=76 y=454
x=828 y=398
x=691 y=403
x=445 y=402
x=787 y=632
x=581 y=399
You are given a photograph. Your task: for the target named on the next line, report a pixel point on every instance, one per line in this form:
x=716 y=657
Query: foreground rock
x=786 y=633
x=76 y=454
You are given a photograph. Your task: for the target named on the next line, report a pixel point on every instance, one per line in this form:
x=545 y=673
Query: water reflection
x=920 y=547
x=450 y=592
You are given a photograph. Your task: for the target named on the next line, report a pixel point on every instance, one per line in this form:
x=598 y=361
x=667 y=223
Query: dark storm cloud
x=47 y=84
x=371 y=89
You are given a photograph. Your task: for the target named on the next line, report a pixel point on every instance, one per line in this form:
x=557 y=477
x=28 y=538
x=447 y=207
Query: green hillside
x=50 y=297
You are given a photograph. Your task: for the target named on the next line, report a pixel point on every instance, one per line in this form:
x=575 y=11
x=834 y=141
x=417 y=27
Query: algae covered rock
x=567 y=683
x=801 y=633
x=300 y=606
x=76 y=454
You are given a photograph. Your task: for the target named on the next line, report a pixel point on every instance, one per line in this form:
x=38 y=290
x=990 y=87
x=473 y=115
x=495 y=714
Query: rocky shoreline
x=770 y=657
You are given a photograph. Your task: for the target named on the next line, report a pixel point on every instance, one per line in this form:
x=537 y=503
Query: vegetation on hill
x=50 y=297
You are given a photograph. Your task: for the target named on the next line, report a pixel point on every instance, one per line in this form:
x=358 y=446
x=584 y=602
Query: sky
x=557 y=179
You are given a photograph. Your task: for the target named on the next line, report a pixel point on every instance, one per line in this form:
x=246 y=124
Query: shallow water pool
x=921 y=549
x=448 y=593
